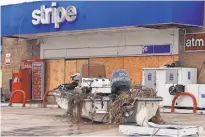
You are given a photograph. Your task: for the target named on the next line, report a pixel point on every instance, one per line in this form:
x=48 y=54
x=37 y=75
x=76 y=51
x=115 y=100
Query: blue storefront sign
x=156 y=49
x=45 y=16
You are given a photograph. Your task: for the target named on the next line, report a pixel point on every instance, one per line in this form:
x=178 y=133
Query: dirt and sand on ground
x=16 y=121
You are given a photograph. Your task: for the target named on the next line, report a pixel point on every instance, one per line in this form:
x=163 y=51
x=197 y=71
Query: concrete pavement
x=17 y=121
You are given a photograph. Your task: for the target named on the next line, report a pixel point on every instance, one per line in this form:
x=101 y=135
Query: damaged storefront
x=128 y=35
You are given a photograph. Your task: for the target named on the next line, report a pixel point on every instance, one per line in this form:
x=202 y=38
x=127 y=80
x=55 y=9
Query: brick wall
x=192 y=59
x=19 y=49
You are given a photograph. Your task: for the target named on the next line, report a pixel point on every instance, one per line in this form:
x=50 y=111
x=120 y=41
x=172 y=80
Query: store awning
x=17 y=19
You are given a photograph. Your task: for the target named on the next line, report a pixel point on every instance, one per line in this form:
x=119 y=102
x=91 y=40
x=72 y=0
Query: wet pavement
x=52 y=122
x=44 y=122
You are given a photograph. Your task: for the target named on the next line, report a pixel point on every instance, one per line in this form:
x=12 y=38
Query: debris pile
x=120 y=108
x=123 y=106
x=75 y=99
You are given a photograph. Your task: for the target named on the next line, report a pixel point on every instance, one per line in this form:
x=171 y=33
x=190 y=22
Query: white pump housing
x=170 y=76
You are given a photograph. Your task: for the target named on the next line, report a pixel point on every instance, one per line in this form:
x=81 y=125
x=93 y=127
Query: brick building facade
x=19 y=49
x=192 y=59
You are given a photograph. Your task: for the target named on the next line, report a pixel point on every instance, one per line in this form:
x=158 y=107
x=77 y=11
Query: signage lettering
x=123 y=74
x=195 y=42
x=37 y=80
x=8 y=59
x=54 y=15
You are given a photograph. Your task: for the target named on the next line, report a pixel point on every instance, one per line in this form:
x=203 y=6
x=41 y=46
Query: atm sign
x=195 y=42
